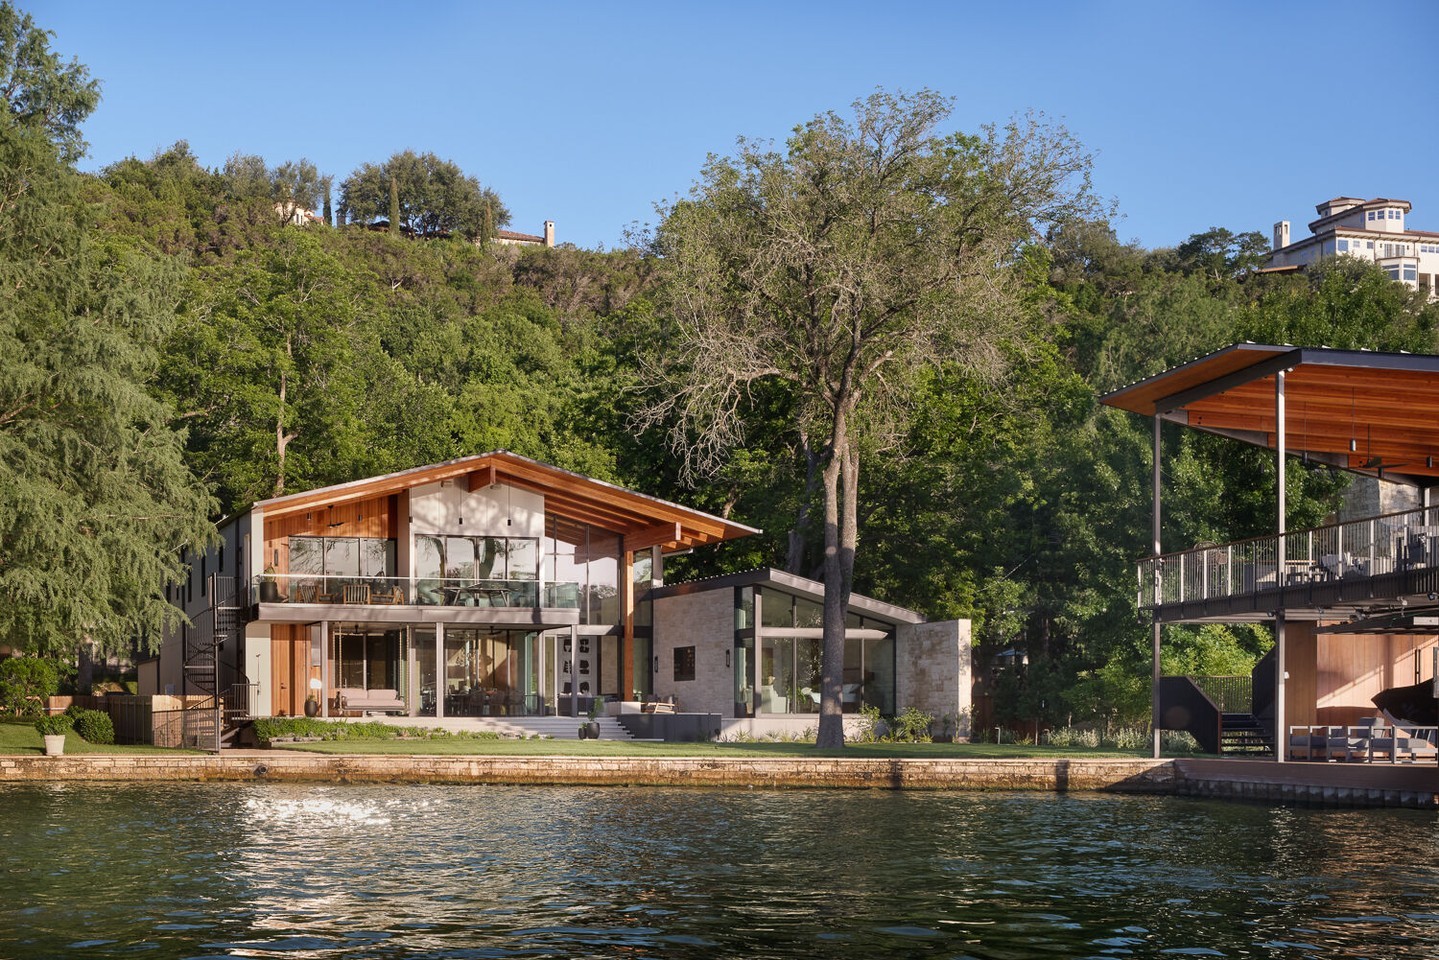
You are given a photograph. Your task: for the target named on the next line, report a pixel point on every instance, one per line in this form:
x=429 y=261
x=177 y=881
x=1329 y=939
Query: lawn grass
x=19 y=738
x=624 y=748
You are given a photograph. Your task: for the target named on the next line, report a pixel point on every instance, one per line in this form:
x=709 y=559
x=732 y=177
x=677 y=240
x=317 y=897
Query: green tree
x=41 y=92
x=263 y=370
x=25 y=682
x=295 y=185
x=435 y=196
x=95 y=497
x=867 y=252
x=1218 y=253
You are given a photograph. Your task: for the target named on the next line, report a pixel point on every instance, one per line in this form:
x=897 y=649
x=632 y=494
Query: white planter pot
x=54 y=744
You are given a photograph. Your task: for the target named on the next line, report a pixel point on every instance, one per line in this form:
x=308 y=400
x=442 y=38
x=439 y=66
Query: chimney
x=1281 y=234
x=549 y=233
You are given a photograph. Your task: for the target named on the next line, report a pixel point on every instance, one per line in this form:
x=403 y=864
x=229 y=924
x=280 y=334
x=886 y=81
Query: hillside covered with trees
x=173 y=347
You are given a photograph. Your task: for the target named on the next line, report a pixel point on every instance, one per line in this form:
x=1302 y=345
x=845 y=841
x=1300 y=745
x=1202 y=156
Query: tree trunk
x=799 y=533
x=841 y=479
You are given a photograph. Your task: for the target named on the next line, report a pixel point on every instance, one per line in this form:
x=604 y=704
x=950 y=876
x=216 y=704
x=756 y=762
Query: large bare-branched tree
x=870 y=248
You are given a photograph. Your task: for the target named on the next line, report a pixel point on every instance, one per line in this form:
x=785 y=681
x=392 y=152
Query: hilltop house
x=510 y=238
x=495 y=585
x=1370 y=230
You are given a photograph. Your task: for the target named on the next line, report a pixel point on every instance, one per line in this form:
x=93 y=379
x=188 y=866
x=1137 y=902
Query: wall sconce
x=726 y=657
x=657 y=664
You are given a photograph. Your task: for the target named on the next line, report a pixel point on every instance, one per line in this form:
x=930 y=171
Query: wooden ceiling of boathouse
x=1369 y=412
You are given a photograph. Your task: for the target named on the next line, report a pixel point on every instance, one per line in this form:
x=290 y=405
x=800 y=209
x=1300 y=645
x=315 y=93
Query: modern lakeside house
x=1354 y=604
x=498 y=586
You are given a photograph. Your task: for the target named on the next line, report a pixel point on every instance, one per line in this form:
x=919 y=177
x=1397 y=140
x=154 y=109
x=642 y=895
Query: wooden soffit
x=1369 y=412
x=572 y=501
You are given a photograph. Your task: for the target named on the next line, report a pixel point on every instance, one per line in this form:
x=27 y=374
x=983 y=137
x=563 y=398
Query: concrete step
x=558 y=728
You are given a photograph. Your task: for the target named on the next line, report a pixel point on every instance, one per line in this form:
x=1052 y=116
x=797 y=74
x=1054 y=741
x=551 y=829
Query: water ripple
x=274 y=870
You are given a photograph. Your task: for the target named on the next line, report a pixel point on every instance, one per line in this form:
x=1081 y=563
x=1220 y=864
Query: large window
x=361 y=557
x=477 y=558
x=790 y=654
x=369 y=658
x=582 y=568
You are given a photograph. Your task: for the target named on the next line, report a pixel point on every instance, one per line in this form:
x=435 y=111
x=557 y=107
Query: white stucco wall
x=934 y=670
x=450 y=509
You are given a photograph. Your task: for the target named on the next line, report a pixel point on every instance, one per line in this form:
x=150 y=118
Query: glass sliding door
x=491 y=673
x=370 y=658
x=426 y=668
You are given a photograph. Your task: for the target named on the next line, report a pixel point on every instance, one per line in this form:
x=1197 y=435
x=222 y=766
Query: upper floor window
x=1343 y=245
x=477 y=558
x=342 y=557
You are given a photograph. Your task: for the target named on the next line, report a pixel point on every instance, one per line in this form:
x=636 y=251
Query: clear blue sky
x=1199 y=114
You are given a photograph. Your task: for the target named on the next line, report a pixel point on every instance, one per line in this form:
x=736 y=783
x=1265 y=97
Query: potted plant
x=53 y=729
x=592 y=729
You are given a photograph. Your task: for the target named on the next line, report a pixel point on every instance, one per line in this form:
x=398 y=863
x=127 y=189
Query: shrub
x=1068 y=737
x=95 y=726
x=912 y=726
x=868 y=727
x=54 y=726
x=1179 y=741
x=1131 y=738
x=25 y=682
x=268 y=729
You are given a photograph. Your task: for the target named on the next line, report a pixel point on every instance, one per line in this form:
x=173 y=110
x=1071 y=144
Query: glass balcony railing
x=1355 y=549
x=287 y=588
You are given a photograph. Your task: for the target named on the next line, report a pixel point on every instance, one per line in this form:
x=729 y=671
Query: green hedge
x=94 y=726
x=277 y=728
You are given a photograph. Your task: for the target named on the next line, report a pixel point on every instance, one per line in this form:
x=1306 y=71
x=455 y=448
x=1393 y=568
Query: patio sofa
x=379 y=700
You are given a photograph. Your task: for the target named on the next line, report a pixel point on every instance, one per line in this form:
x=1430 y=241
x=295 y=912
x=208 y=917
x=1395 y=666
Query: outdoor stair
x=1242 y=735
x=557 y=728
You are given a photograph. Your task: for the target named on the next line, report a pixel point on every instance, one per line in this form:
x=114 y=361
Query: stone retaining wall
x=1142 y=776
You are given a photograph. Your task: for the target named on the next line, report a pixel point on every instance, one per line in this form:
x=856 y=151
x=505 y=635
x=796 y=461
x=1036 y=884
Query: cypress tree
x=394 y=207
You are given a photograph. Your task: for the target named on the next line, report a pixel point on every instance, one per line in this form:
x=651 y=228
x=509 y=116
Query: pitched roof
x=571 y=500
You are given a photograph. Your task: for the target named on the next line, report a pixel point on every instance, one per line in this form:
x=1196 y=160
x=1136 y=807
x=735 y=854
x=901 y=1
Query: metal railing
x=423 y=591
x=1354 y=549
x=1232 y=694
x=1366 y=743
x=241 y=700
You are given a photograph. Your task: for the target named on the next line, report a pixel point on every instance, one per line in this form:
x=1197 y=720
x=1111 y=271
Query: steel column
x=1281 y=733
x=1155 y=717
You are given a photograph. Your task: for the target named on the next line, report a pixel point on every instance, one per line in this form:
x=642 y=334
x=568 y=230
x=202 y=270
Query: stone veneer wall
x=1143 y=776
x=1346 y=785
x=704 y=620
x=933 y=673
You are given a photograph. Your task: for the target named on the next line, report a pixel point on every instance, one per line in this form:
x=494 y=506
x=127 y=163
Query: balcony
x=1388 y=558
x=397 y=591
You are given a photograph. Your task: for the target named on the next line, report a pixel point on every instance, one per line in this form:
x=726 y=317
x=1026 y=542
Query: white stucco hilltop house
x=1369 y=229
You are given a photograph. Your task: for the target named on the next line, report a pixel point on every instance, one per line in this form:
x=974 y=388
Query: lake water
x=270 y=870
